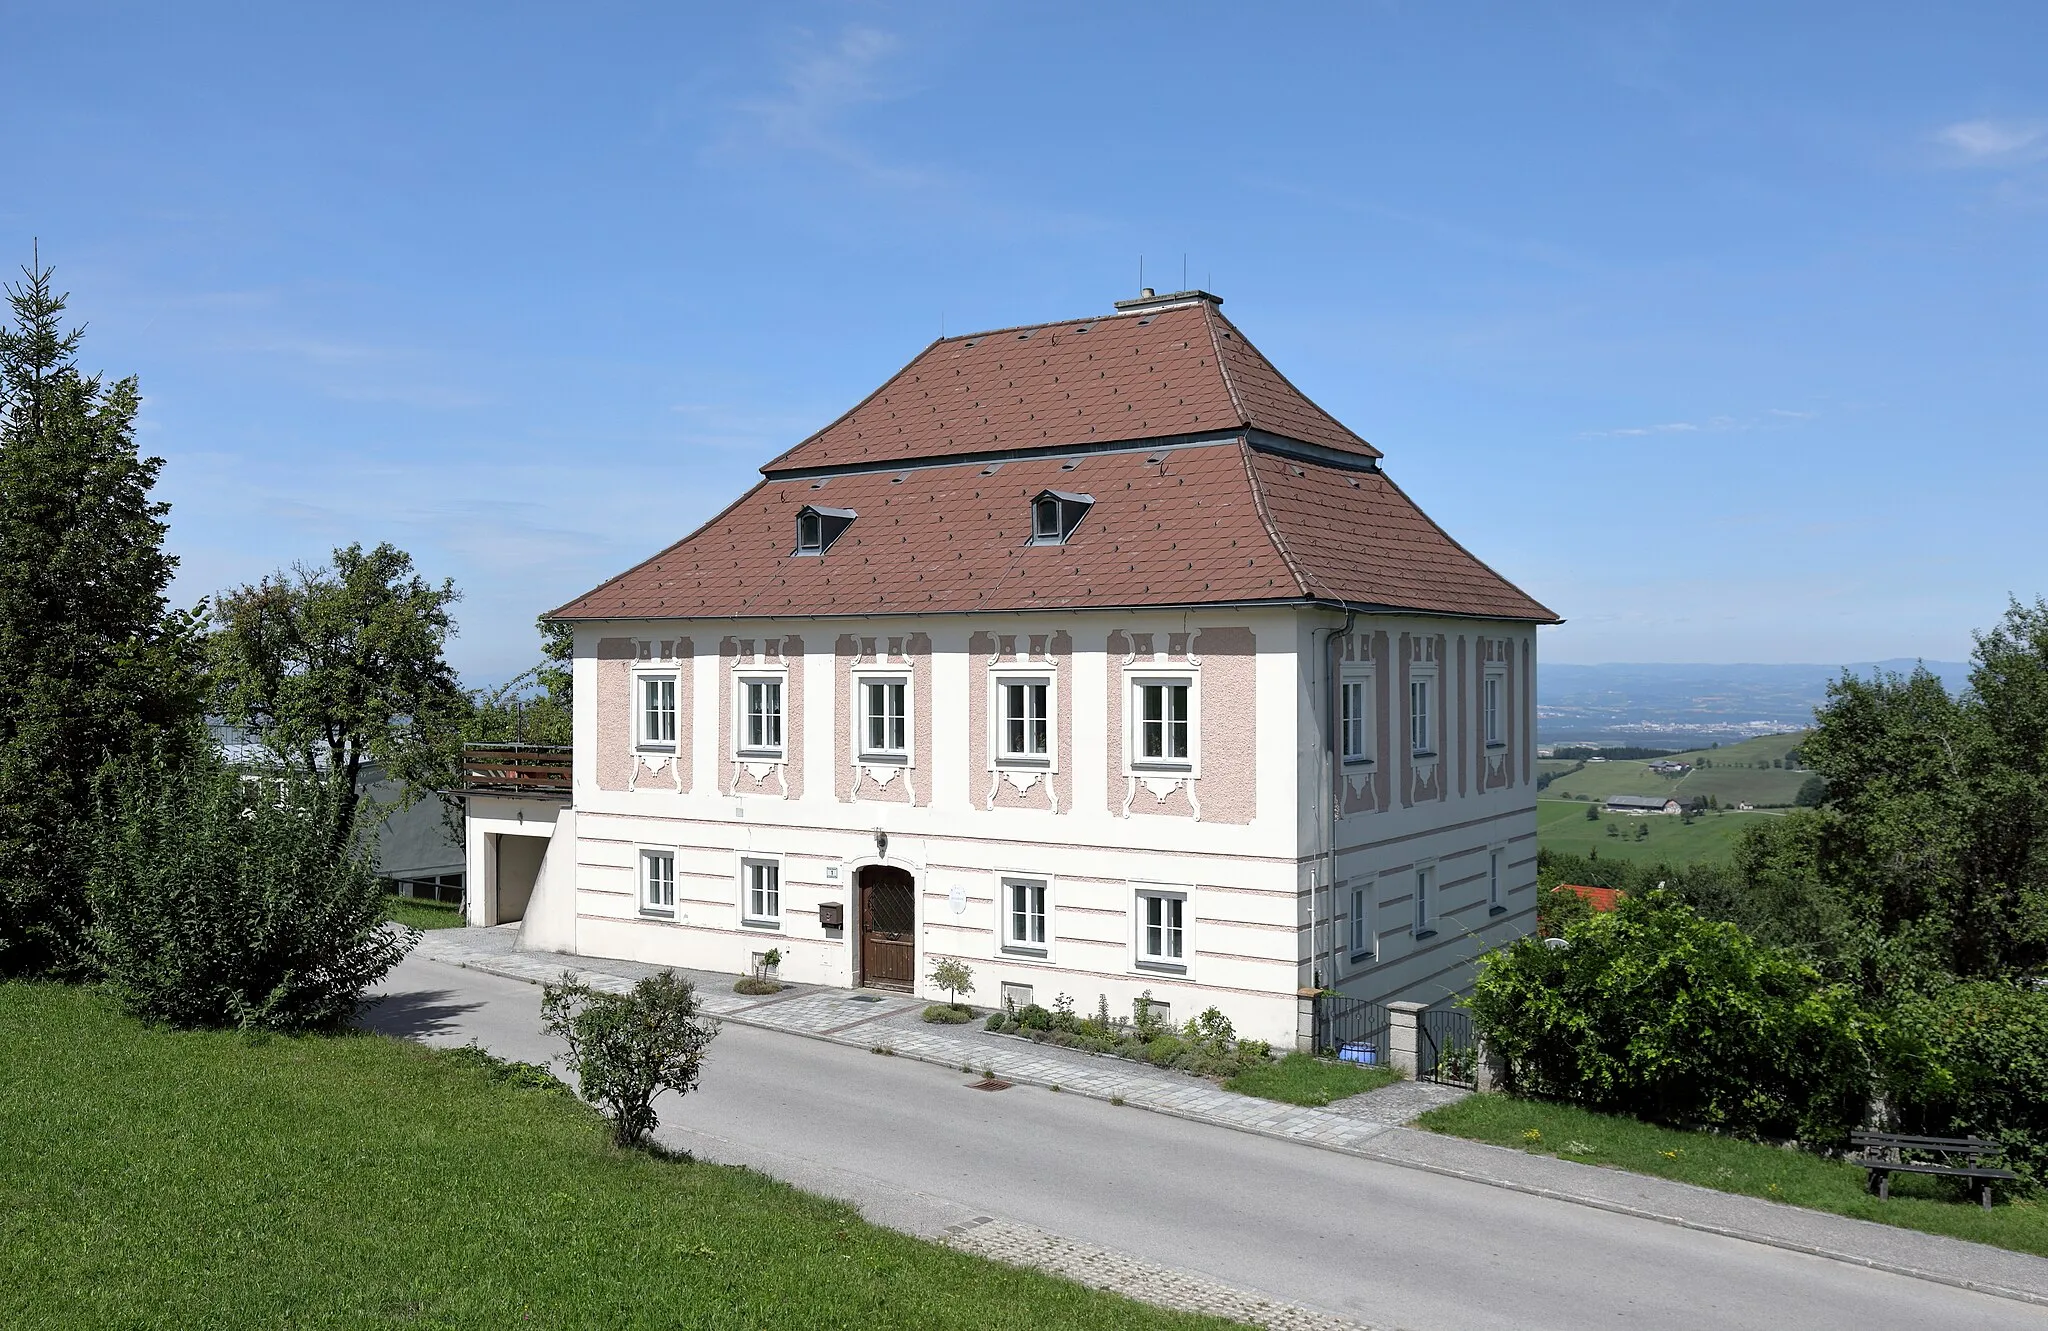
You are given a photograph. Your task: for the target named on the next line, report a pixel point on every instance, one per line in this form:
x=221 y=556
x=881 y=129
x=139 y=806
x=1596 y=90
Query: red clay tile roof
x=1140 y=375
x=1210 y=524
x=1599 y=898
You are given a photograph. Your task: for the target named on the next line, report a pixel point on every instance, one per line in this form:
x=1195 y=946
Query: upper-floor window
x=1420 y=736
x=1361 y=922
x=1163 y=734
x=1494 y=904
x=1024 y=720
x=1425 y=902
x=760 y=720
x=885 y=724
x=657 y=711
x=1055 y=514
x=1354 y=710
x=1490 y=691
x=817 y=528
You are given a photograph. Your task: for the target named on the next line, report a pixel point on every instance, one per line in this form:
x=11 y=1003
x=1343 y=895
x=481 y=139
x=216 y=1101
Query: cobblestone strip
x=1162 y=1286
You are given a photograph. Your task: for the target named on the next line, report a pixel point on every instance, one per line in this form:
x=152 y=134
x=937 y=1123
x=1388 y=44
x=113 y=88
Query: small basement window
x=817 y=528
x=1055 y=514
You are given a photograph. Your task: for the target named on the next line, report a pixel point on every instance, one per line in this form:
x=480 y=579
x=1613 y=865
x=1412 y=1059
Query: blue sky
x=1720 y=331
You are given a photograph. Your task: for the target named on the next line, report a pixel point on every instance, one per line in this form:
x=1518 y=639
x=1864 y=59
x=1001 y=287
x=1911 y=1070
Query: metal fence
x=1353 y=1029
x=1446 y=1051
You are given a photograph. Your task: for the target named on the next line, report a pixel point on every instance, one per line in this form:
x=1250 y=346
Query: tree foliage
x=340 y=666
x=1973 y=1060
x=628 y=1048
x=92 y=666
x=218 y=899
x=1655 y=1011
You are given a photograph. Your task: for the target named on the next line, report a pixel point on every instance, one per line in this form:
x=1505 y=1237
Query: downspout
x=1333 y=755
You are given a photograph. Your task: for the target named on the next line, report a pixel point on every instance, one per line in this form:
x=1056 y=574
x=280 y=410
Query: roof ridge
x=1251 y=478
x=1231 y=381
x=1052 y=323
x=1209 y=316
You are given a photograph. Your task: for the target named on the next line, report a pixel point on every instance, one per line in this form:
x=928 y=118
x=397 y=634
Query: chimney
x=1148 y=299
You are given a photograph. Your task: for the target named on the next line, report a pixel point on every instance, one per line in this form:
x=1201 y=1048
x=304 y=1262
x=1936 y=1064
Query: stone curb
x=1362 y=1131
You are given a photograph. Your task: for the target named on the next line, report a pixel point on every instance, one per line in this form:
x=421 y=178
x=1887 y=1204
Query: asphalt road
x=916 y=1149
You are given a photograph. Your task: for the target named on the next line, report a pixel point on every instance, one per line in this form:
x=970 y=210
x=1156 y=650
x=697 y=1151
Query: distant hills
x=1681 y=706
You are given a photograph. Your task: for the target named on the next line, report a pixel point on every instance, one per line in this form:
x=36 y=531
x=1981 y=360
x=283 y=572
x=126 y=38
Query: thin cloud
x=1712 y=425
x=823 y=86
x=1995 y=142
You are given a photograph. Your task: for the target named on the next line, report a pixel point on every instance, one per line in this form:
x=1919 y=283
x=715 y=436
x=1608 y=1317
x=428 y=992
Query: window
x=1025 y=720
x=885 y=732
x=1490 y=706
x=1354 y=697
x=763 y=880
x=1162 y=930
x=658 y=883
x=1055 y=514
x=1361 y=923
x=1419 y=733
x=1494 y=904
x=1162 y=730
x=1425 y=906
x=1015 y=996
x=657 y=711
x=817 y=528
x=1024 y=915
x=761 y=716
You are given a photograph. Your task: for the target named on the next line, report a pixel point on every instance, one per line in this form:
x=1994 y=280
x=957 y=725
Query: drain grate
x=989 y=1084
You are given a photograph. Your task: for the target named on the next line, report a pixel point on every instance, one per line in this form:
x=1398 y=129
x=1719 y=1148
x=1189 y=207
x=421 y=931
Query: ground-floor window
x=1025 y=902
x=763 y=892
x=1361 y=923
x=658 y=883
x=1162 y=930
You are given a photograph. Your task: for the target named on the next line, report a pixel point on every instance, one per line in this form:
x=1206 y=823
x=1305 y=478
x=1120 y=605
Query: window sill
x=1023 y=762
x=648 y=913
x=1029 y=953
x=1496 y=910
x=666 y=750
x=1160 y=769
x=886 y=759
x=1493 y=744
x=1358 y=762
x=1420 y=754
x=1163 y=967
x=759 y=756
x=1421 y=934
x=1362 y=958
x=761 y=924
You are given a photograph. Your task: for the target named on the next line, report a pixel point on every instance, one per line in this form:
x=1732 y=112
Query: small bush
x=628 y=1048
x=948 y=1014
x=756 y=985
x=1032 y=1017
x=1164 y=1050
x=220 y=901
x=997 y=1022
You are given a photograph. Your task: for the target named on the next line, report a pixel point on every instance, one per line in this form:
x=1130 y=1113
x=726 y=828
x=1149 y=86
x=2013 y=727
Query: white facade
x=698 y=842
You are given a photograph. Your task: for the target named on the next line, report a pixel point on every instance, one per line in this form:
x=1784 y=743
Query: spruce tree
x=92 y=669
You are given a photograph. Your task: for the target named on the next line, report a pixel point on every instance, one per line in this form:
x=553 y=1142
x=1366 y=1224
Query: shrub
x=1654 y=1011
x=1063 y=1018
x=1032 y=1017
x=221 y=901
x=948 y=1014
x=507 y=1072
x=997 y=1021
x=628 y=1048
x=756 y=985
x=1164 y=1050
x=1973 y=1060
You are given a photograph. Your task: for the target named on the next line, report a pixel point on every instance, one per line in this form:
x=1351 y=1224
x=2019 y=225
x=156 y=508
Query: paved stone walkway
x=1104 y=1268
x=892 y=1022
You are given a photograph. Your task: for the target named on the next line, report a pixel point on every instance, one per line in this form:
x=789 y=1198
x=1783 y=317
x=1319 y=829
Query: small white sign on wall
x=957 y=899
x=831 y=872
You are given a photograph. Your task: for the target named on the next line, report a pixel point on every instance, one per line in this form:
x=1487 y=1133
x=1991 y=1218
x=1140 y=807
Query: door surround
x=885 y=942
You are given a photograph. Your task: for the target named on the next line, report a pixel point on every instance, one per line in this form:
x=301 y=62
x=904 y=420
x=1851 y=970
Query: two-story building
x=1093 y=653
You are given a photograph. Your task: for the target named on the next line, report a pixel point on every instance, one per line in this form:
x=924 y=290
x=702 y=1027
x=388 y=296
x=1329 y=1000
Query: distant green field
x=1562 y=826
x=1733 y=776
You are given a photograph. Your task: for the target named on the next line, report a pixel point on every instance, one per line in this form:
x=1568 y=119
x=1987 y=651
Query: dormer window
x=1055 y=514
x=817 y=528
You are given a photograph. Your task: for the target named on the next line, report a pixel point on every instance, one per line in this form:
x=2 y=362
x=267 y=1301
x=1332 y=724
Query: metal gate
x=888 y=929
x=1351 y=1028
x=1446 y=1053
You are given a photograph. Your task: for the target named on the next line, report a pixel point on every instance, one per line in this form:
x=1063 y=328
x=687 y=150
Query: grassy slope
x=1561 y=826
x=1732 y=779
x=1917 y=1202
x=422 y=914
x=159 y=1179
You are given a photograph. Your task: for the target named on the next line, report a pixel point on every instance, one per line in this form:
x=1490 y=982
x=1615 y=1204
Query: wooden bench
x=1883 y=1155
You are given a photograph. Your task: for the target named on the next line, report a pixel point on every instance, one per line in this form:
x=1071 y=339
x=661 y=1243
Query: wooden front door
x=888 y=928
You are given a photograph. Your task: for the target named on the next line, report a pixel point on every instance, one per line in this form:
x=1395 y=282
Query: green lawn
x=158 y=1179
x=1724 y=1163
x=1299 y=1079
x=1739 y=772
x=421 y=914
x=1562 y=826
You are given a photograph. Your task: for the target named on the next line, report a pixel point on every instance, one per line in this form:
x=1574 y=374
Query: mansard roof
x=1214 y=481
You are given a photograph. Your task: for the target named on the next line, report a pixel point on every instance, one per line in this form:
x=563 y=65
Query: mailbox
x=832 y=914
